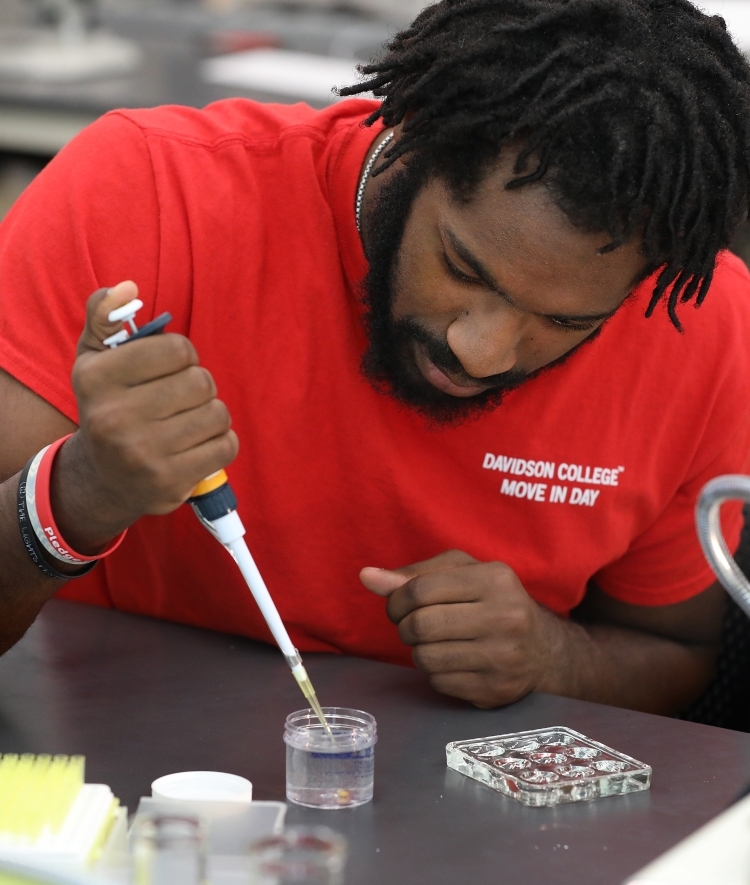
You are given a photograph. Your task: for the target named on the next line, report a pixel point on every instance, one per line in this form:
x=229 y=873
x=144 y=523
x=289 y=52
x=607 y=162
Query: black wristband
x=30 y=540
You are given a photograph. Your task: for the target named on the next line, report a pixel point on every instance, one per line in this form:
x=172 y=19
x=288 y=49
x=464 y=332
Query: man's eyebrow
x=475 y=264
x=488 y=279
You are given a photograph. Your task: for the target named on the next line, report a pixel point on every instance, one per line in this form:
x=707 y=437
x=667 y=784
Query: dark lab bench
x=142 y=698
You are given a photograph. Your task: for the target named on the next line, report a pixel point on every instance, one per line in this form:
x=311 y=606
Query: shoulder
x=235 y=121
x=714 y=333
x=697 y=380
x=173 y=146
x=167 y=151
x=688 y=390
x=730 y=287
x=723 y=321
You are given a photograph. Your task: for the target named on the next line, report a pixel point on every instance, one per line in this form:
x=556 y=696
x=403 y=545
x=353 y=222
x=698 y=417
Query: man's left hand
x=474 y=629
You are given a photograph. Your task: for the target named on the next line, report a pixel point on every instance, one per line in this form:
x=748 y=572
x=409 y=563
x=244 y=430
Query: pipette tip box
x=548 y=766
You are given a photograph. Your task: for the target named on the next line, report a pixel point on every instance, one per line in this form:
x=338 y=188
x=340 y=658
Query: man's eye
x=458 y=274
x=571 y=325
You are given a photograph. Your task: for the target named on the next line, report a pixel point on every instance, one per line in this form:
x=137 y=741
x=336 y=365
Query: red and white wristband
x=38 y=512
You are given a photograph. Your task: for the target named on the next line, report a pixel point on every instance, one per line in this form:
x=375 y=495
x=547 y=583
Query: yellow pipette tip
x=315 y=704
x=309 y=692
x=313 y=698
x=37 y=792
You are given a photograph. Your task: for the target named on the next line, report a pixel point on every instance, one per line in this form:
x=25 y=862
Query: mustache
x=440 y=354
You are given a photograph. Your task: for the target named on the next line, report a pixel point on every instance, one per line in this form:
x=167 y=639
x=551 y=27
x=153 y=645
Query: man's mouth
x=441 y=379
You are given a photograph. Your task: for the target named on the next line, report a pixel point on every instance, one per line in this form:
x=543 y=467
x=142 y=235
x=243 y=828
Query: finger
x=449 y=657
x=440 y=623
x=468 y=686
x=476 y=688
x=146 y=359
x=442 y=588
x=98 y=307
x=205 y=459
x=192 y=428
x=385 y=581
x=184 y=390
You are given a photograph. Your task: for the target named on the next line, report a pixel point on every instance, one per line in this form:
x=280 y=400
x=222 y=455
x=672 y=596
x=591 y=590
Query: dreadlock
x=636 y=113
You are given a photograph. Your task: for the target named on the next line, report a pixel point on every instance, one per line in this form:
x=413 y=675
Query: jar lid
x=202 y=786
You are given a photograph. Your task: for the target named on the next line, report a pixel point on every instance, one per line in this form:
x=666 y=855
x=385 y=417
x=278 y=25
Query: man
x=476 y=420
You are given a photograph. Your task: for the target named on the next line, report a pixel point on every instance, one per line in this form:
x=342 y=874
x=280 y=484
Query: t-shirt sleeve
x=665 y=564
x=90 y=219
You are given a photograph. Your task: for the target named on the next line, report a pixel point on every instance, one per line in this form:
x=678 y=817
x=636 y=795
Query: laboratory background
x=65 y=62
x=106 y=774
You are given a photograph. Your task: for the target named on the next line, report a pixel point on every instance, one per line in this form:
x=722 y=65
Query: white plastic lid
x=202 y=786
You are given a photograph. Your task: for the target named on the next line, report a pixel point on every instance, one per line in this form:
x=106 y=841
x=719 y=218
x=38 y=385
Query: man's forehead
x=532 y=249
x=508 y=210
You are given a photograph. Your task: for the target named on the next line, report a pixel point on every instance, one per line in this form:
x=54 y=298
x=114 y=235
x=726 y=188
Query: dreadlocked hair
x=636 y=113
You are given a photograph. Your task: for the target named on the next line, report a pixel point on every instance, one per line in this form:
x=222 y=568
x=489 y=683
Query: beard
x=388 y=362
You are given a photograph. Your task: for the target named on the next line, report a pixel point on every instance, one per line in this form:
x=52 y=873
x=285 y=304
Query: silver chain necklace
x=365 y=175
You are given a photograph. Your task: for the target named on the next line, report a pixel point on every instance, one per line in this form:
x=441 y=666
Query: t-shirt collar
x=343 y=180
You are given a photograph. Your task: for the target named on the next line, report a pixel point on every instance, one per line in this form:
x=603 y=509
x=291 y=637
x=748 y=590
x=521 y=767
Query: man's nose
x=486 y=342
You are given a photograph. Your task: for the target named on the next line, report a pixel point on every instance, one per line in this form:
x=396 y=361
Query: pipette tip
x=303 y=680
x=313 y=698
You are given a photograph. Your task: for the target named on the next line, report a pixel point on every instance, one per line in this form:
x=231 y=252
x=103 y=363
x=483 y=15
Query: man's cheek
x=402 y=294
x=416 y=285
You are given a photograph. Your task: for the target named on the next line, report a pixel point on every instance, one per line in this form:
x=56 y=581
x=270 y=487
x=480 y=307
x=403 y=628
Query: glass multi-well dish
x=548 y=766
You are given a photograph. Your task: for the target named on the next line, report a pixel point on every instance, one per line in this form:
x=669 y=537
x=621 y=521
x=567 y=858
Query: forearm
x=624 y=667
x=24 y=588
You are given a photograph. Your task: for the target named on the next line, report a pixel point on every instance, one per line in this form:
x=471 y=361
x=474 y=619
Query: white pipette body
x=230 y=531
x=259 y=590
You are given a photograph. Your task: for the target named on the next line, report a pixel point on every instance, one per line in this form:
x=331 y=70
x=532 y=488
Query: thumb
x=99 y=305
x=383 y=581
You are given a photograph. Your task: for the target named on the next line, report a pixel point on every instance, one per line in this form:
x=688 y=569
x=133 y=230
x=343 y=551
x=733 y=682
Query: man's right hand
x=150 y=429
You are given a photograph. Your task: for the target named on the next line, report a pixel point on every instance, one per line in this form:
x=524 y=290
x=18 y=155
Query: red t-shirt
x=239 y=219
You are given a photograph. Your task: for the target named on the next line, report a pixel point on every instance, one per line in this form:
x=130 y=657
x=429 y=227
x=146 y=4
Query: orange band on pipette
x=215 y=481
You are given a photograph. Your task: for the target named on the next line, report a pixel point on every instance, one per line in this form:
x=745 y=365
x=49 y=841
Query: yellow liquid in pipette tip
x=309 y=693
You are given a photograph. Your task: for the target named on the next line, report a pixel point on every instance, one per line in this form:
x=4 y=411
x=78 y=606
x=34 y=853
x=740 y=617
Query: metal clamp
x=708 y=525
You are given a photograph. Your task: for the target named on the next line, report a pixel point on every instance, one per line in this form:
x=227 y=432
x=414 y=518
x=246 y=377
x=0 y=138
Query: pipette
x=215 y=505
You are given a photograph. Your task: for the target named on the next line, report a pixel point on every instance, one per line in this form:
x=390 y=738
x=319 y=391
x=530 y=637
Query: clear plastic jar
x=330 y=772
